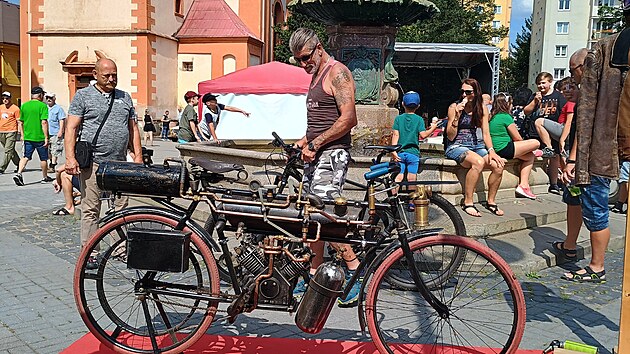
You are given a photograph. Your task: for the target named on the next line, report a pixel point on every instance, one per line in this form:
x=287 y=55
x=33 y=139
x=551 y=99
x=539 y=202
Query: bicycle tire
x=492 y=296
x=438 y=205
x=108 y=297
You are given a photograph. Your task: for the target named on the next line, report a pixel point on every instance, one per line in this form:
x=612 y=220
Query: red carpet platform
x=256 y=345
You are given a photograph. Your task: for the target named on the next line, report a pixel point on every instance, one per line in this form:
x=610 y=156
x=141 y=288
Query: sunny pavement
x=38 y=315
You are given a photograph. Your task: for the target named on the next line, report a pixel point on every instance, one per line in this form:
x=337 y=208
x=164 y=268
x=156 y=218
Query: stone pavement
x=38 y=251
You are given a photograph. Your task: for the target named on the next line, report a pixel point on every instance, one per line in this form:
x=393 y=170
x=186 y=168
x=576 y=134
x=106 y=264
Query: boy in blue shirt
x=408 y=130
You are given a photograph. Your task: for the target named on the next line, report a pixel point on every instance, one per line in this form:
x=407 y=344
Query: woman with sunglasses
x=468 y=142
x=509 y=143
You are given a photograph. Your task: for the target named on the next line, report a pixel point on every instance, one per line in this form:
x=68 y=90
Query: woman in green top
x=508 y=142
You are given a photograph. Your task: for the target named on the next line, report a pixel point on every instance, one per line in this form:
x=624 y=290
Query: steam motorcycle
x=157 y=287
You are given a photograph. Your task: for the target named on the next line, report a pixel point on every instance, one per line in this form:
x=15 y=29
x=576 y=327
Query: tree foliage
x=459 y=21
x=470 y=23
x=611 y=18
x=515 y=68
x=283 y=32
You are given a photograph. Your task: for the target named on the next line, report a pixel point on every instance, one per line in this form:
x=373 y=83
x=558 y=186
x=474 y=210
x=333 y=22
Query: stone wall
x=432 y=169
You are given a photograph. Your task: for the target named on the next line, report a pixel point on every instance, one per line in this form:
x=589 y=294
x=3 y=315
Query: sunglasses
x=305 y=58
x=467 y=92
x=572 y=70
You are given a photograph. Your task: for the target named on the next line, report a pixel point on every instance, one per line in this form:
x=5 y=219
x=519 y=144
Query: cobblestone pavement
x=38 y=315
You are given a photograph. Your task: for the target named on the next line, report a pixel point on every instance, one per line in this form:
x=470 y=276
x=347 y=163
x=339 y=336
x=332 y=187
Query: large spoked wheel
x=486 y=307
x=163 y=313
x=442 y=214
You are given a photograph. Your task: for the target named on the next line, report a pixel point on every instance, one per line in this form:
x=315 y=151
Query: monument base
x=374 y=127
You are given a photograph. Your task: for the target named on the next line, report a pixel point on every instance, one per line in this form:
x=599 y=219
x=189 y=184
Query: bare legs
x=523 y=151
x=475 y=165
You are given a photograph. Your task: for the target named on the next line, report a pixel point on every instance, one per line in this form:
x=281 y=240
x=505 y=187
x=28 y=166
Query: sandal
x=61 y=212
x=466 y=207
x=588 y=277
x=558 y=249
x=494 y=209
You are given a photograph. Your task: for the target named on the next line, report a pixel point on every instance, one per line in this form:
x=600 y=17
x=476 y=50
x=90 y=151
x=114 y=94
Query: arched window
x=229 y=64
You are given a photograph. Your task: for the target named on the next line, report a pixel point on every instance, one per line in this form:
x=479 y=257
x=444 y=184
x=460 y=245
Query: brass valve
x=341 y=206
x=420 y=199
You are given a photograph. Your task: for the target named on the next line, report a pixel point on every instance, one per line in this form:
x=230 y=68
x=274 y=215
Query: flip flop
x=588 y=277
x=494 y=209
x=61 y=212
x=466 y=207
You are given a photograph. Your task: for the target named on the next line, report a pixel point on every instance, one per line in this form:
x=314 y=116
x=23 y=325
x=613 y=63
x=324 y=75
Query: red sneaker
x=525 y=192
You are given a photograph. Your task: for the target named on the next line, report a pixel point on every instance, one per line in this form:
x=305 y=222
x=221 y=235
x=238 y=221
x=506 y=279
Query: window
x=562 y=27
x=18 y=68
x=179 y=7
x=611 y=3
x=561 y=51
x=496 y=24
x=559 y=73
x=564 y=5
x=496 y=40
x=187 y=66
x=498 y=9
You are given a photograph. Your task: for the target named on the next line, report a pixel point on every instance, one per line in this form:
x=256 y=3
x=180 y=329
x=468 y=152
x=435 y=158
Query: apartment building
x=559 y=28
x=502 y=15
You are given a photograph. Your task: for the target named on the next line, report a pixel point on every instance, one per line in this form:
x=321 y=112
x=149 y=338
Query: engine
x=276 y=290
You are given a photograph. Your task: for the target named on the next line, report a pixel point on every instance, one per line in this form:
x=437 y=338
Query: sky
x=521 y=9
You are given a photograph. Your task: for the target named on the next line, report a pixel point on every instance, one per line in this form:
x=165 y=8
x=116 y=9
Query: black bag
x=83 y=150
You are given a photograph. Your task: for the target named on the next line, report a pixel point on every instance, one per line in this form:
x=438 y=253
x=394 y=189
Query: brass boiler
x=420 y=199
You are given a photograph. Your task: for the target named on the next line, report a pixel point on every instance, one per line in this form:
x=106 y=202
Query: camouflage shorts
x=325 y=177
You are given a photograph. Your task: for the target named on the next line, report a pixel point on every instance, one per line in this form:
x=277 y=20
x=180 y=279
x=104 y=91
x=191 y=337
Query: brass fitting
x=341 y=206
x=420 y=199
x=371 y=200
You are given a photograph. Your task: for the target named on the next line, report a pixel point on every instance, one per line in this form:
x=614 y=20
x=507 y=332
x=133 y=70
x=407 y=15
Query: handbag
x=84 y=150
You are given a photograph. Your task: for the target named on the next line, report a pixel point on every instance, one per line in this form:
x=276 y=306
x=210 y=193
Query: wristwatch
x=311 y=147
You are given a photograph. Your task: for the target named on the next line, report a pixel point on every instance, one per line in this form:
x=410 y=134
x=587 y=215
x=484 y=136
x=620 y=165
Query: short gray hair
x=301 y=37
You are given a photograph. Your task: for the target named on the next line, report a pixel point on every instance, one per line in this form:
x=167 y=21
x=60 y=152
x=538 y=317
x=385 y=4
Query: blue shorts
x=624 y=171
x=458 y=152
x=594 y=200
x=409 y=162
x=31 y=146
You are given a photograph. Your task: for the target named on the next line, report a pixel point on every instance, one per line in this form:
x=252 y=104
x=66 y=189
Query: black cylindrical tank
x=137 y=178
x=319 y=299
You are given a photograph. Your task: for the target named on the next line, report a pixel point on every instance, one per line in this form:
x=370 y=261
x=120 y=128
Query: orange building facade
x=163 y=48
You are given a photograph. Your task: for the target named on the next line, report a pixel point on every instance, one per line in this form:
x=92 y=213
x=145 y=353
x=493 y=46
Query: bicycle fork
x=439 y=306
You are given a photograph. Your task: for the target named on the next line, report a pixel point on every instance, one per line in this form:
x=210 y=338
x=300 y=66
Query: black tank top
x=322 y=112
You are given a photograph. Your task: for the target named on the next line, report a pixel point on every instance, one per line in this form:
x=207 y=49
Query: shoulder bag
x=84 y=150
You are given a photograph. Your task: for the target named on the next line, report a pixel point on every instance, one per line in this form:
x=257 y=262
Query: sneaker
x=548 y=152
x=353 y=295
x=18 y=180
x=554 y=189
x=300 y=289
x=525 y=192
x=52 y=166
x=47 y=179
x=92 y=263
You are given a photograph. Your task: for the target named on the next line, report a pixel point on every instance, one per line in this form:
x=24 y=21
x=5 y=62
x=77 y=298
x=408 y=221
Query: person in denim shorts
x=468 y=142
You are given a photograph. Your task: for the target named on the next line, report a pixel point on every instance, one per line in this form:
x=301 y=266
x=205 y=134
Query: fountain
x=361 y=34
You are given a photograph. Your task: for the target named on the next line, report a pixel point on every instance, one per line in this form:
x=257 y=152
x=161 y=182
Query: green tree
x=515 y=69
x=459 y=21
x=283 y=32
x=611 y=18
